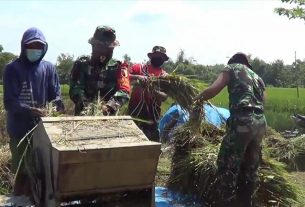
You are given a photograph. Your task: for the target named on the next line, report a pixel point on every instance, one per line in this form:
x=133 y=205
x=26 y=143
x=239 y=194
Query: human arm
x=221 y=81
x=122 y=90
x=77 y=87
x=54 y=93
x=161 y=96
x=135 y=74
x=11 y=91
x=158 y=93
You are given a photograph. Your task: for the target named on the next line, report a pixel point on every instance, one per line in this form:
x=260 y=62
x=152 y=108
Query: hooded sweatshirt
x=26 y=85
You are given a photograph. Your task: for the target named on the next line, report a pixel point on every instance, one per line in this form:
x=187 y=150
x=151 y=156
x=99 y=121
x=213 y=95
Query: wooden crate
x=77 y=156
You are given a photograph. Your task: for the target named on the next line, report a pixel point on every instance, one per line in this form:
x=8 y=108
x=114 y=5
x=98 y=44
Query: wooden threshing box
x=77 y=156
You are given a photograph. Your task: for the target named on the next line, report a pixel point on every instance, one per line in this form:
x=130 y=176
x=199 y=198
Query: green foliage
x=5 y=58
x=275 y=73
x=64 y=65
x=64 y=90
x=297 y=11
x=127 y=58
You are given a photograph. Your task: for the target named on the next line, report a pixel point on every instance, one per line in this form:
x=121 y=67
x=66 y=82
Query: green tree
x=169 y=66
x=181 y=56
x=5 y=58
x=64 y=65
x=259 y=66
x=296 y=12
x=127 y=58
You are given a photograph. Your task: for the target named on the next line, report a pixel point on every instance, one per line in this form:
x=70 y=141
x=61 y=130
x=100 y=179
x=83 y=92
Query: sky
x=209 y=31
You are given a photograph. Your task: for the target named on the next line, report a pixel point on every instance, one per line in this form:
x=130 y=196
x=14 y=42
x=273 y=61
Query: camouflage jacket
x=246 y=88
x=110 y=83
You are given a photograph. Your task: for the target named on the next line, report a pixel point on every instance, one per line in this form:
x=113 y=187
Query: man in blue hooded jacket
x=29 y=84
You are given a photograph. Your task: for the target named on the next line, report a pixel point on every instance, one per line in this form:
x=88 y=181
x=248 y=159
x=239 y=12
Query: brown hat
x=240 y=58
x=104 y=35
x=158 y=50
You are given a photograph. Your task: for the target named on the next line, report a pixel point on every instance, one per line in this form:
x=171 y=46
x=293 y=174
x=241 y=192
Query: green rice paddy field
x=280 y=104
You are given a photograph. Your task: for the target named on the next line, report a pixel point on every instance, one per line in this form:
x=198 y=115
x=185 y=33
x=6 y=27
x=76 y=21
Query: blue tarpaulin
x=178 y=116
x=166 y=198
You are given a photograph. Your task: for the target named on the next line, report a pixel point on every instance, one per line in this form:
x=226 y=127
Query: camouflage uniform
x=240 y=151
x=109 y=82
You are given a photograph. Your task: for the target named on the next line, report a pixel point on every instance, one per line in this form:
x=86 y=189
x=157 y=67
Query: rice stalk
x=194 y=170
x=176 y=87
x=6 y=176
x=3 y=134
x=93 y=108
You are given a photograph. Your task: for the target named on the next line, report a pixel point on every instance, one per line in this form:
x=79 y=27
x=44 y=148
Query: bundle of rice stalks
x=290 y=151
x=6 y=176
x=276 y=186
x=194 y=170
x=3 y=134
x=176 y=87
x=93 y=108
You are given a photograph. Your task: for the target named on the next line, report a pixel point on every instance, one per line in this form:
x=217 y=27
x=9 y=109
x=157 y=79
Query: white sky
x=208 y=30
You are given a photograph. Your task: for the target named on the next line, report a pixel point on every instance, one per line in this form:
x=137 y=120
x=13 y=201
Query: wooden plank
x=101 y=154
x=85 y=147
x=110 y=154
x=82 y=118
x=111 y=174
x=78 y=135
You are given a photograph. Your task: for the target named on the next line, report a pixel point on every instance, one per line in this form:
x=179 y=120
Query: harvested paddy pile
x=3 y=133
x=290 y=151
x=194 y=170
x=6 y=176
x=196 y=148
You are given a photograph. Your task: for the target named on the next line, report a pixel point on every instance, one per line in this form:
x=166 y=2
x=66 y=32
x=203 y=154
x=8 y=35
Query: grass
x=281 y=103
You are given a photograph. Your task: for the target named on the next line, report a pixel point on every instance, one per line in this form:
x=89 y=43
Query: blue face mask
x=33 y=54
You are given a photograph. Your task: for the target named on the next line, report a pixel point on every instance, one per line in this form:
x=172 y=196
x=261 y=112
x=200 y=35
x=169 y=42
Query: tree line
x=275 y=74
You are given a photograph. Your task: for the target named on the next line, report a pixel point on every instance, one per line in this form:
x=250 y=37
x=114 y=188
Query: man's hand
x=106 y=110
x=160 y=96
x=38 y=112
x=197 y=99
x=142 y=79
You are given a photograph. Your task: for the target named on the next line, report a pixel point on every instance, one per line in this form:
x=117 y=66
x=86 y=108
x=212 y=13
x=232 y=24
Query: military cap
x=158 y=50
x=240 y=58
x=104 y=35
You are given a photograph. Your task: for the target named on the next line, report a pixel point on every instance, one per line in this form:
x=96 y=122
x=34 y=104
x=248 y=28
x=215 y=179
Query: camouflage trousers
x=239 y=158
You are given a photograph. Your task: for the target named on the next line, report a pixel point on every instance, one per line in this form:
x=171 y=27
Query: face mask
x=156 y=62
x=33 y=54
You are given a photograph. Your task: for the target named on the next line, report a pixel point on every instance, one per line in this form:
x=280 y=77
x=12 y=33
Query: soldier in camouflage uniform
x=100 y=75
x=240 y=150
